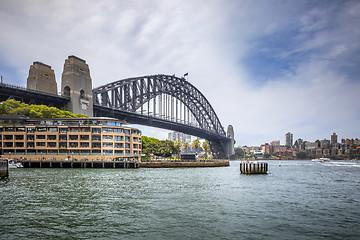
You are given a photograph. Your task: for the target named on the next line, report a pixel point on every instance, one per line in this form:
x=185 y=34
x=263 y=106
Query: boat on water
x=321 y=160
x=14 y=164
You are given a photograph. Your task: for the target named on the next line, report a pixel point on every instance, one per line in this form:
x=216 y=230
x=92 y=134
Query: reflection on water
x=300 y=200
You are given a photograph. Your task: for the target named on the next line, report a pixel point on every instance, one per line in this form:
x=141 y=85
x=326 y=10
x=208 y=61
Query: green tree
x=166 y=148
x=239 y=153
x=177 y=145
x=196 y=144
x=206 y=147
x=149 y=145
x=186 y=146
x=12 y=106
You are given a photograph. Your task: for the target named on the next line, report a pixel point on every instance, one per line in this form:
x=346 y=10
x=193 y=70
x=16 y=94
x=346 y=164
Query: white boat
x=321 y=160
x=13 y=164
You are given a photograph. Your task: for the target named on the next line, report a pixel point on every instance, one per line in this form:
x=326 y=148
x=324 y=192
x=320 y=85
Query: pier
x=79 y=164
x=253 y=167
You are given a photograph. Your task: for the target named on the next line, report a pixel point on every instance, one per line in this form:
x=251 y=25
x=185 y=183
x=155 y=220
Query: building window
x=67 y=91
x=20 y=129
x=30 y=145
x=8 y=144
x=73 y=137
x=40 y=136
x=118 y=138
x=42 y=144
x=62 y=137
x=107 y=144
x=127 y=132
x=63 y=130
x=73 y=144
x=63 y=145
x=82 y=94
x=19 y=137
x=118 y=145
x=31 y=130
x=84 y=137
x=19 y=144
x=41 y=129
x=107 y=130
x=117 y=130
x=127 y=139
x=8 y=137
x=96 y=130
x=107 y=152
x=51 y=137
x=51 y=144
x=74 y=129
x=107 y=137
x=84 y=145
x=52 y=129
x=119 y=152
x=95 y=145
x=84 y=129
x=30 y=137
x=110 y=123
x=96 y=138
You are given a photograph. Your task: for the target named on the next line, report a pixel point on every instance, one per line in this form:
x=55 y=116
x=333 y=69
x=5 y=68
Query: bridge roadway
x=8 y=91
x=136 y=118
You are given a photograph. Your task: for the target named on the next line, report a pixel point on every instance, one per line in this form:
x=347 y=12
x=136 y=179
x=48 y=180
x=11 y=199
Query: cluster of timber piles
x=4 y=169
x=253 y=167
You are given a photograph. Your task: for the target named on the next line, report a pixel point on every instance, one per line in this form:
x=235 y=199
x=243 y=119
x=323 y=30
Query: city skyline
x=295 y=68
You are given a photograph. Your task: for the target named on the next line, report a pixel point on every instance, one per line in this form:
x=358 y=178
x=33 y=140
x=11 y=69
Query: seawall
x=174 y=164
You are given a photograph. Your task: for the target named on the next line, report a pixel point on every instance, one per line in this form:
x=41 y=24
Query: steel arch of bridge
x=133 y=93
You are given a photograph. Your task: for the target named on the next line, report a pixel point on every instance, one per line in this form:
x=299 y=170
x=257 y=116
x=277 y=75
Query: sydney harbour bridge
x=161 y=101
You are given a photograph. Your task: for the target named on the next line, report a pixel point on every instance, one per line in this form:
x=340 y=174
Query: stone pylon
x=41 y=78
x=230 y=134
x=76 y=83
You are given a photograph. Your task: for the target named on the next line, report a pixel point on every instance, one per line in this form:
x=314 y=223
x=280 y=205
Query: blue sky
x=267 y=67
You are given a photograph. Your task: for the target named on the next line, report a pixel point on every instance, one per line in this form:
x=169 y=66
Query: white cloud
x=121 y=39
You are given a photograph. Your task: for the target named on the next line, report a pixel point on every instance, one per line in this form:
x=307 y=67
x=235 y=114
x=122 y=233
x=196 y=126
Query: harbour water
x=299 y=200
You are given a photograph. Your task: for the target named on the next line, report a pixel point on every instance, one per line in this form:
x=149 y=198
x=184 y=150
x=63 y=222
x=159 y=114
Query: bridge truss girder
x=133 y=93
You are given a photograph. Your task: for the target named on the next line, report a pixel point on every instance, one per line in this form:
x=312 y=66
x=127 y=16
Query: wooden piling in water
x=253 y=167
x=4 y=169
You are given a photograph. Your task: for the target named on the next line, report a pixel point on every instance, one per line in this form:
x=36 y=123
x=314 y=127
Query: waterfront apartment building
x=61 y=138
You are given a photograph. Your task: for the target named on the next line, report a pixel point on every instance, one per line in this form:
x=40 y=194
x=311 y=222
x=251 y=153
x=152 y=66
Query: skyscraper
x=334 y=139
x=289 y=139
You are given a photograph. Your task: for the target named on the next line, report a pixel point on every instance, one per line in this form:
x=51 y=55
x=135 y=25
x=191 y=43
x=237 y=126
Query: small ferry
x=13 y=164
x=321 y=160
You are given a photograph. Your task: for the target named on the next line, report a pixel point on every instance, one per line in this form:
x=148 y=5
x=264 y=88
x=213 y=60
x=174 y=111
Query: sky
x=266 y=67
